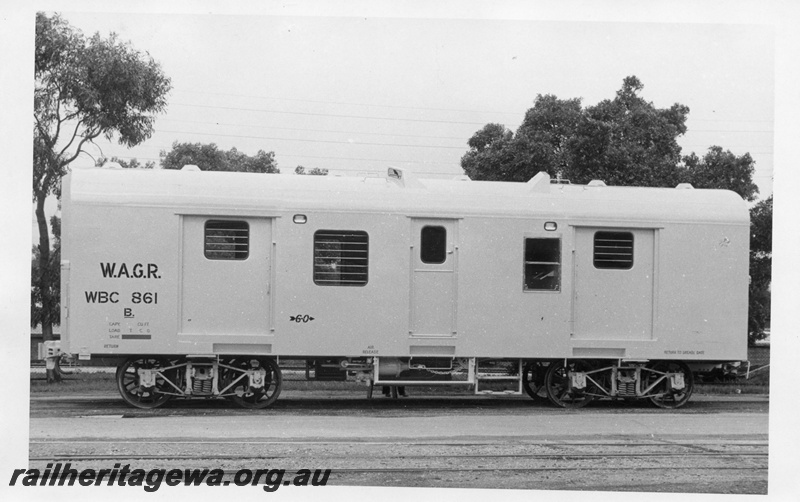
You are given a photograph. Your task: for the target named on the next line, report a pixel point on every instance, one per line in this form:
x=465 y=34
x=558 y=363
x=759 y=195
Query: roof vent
x=597 y=183
x=403 y=178
x=684 y=185
x=190 y=167
x=394 y=172
x=540 y=183
x=112 y=165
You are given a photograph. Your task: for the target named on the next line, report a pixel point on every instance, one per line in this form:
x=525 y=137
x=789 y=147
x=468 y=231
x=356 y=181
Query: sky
x=355 y=87
x=358 y=94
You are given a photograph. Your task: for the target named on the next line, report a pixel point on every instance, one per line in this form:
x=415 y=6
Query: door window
x=433 y=244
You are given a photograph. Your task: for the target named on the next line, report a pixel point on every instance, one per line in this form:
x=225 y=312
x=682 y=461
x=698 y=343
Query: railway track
x=359 y=456
x=715 y=449
x=708 y=466
x=68 y=457
x=646 y=468
x=563 y=451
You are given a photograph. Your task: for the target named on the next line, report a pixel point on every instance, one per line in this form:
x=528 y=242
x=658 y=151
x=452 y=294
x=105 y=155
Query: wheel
x=558 y=386
x=260 y=397
x=533 y=380
x=129 y=382
x=662 y=394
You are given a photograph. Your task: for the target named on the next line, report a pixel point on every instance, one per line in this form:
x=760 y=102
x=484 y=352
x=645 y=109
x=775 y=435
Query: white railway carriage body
x=210 y=265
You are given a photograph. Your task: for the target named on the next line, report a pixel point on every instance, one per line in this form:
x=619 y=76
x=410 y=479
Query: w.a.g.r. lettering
x=134 y=271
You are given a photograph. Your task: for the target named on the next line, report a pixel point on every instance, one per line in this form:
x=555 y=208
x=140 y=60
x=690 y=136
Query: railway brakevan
x=201 y=283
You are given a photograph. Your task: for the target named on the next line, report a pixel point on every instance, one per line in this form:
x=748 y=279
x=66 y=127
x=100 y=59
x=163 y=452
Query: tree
x=51 y=268
x=129 y=164
x=210 y=158
x=760 y=269
x=490 y=157
x=84 y=89
x=628 y=141
x=721 y=169
x=314 y=171
x=623 y=141
x=546 y=134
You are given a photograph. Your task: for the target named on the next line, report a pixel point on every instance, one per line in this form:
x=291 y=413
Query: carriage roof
x=401 y=193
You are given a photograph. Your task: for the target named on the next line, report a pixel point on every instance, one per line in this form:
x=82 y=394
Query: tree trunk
x=53 y=375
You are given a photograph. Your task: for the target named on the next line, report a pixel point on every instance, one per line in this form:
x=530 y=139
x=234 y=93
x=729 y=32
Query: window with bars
x=341 y=257
x=613 y=250
x=227 y=240
x=542 y=264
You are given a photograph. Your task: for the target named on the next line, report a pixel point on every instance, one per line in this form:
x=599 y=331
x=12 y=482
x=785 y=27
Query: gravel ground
x=715 y=444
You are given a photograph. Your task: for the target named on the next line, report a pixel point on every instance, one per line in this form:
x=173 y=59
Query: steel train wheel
x=129 y=383
x=263 y=397
x=665 y=396
x=533 y=376
x=557 y=385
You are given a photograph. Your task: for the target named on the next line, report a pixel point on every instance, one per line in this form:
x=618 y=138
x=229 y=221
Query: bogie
x=149 y=382
x=575 y=383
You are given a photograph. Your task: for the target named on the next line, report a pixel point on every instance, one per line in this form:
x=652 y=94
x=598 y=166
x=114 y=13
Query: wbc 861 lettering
x=113 y=297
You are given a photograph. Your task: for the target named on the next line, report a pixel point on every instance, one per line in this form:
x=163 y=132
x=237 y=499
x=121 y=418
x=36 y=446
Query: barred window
x=542 y=264
x=227 y=240
x=613 y=250
x=341 y=258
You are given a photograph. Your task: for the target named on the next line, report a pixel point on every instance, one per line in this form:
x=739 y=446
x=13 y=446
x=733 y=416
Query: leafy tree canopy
x=761 y=226
x=622 y=141
x=210 y=158
x=86 y=88
x=127 y=164
x=722 y=169
x=760 y=268
x=51 y=269
x=314 y=171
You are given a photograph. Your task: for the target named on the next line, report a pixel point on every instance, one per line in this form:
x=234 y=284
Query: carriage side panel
x=123 y=282
x=319 y=312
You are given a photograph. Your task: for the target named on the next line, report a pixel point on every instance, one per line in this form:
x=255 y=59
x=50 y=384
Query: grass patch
x=74 y=383
x=758 y=383
x=731 y=388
